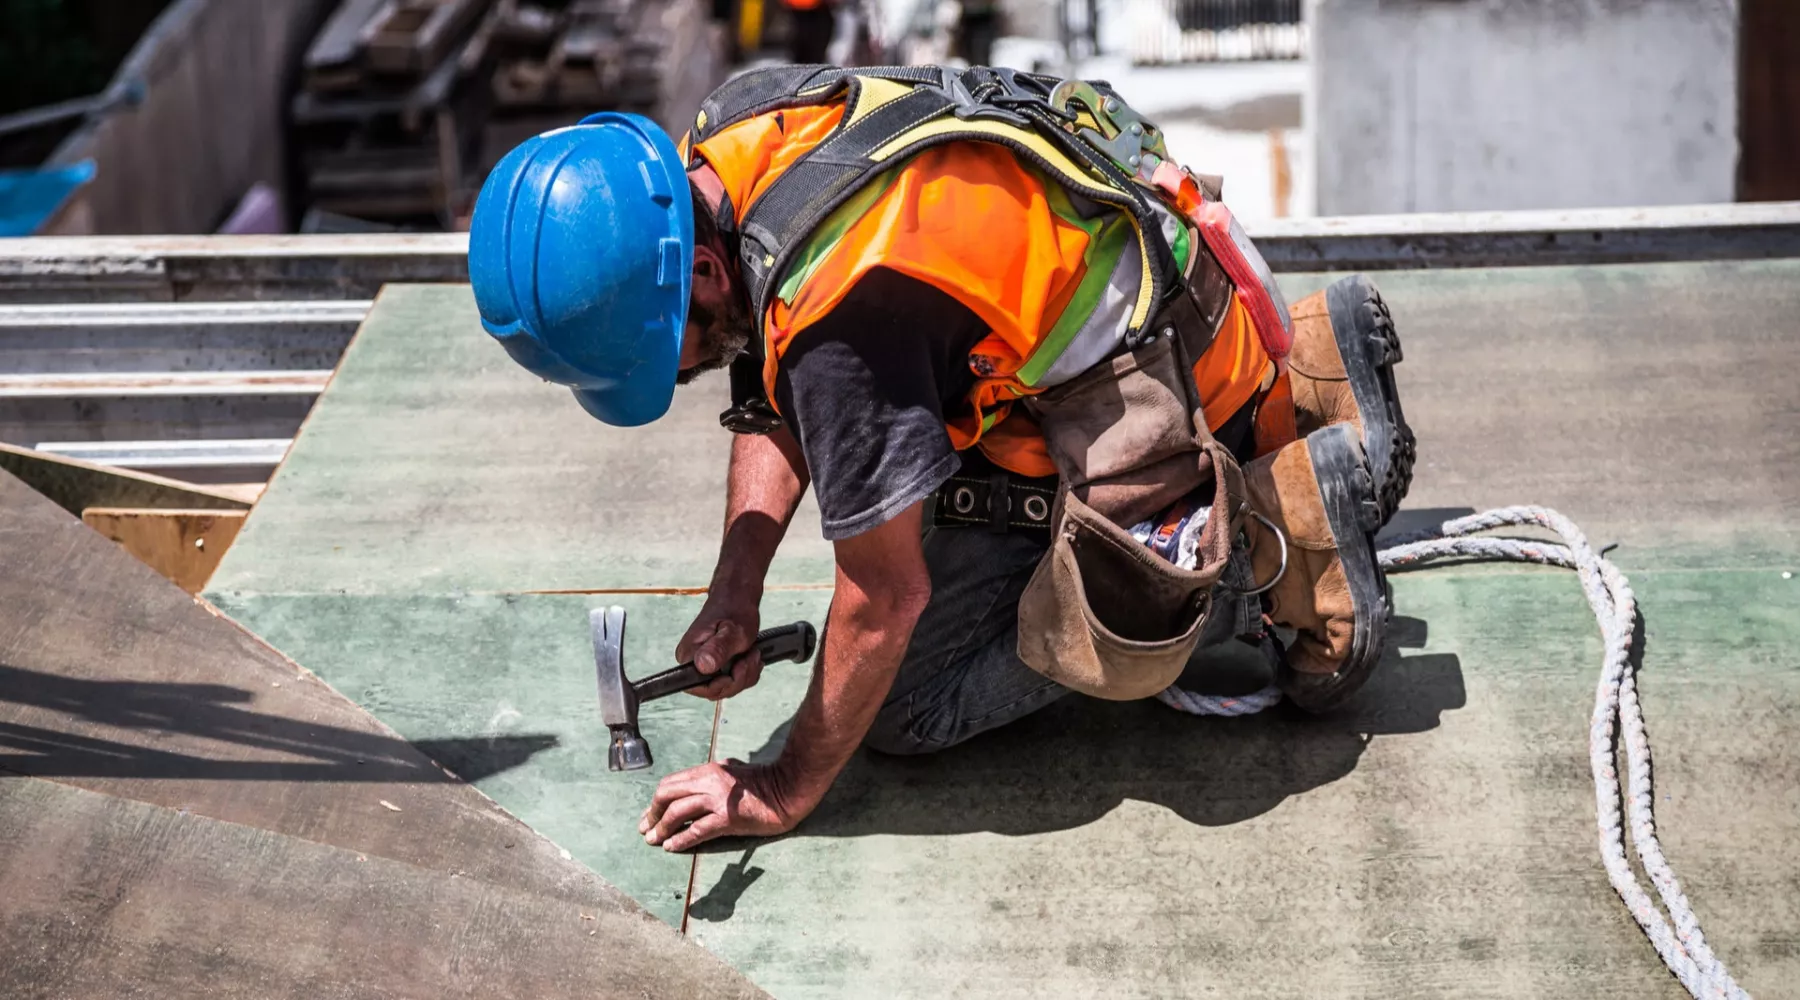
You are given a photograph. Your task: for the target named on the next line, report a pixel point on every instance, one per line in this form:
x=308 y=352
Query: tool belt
x=984 y=495
x=1102 y=614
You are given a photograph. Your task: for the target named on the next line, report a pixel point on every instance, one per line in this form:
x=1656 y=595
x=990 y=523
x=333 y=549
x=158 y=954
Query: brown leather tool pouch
x=1102 y=614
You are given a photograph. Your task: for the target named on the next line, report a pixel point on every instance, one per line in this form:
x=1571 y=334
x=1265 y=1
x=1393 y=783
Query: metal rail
x=173 y=337
x=184 y=268
x=124 y=385
x=195 y=461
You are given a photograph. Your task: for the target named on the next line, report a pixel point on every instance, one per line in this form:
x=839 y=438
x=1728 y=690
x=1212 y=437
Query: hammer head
x=618 y=702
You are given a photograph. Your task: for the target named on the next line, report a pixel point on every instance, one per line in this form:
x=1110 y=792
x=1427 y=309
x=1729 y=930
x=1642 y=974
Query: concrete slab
x=1434 y=839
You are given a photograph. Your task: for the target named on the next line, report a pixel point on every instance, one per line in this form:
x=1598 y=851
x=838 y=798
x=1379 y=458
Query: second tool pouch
x=1102 y=614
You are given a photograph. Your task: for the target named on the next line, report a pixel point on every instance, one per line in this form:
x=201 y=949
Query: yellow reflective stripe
x=1066 y=170
x=1055 y=158
x=875 y=92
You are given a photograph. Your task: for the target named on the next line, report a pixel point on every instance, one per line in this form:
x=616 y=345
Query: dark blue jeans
x=962 y=674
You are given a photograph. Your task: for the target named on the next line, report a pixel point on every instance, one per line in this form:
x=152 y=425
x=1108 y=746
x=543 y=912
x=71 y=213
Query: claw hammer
x=620 y=697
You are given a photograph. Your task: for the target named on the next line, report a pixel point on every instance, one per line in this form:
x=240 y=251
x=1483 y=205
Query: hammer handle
x=785 y=642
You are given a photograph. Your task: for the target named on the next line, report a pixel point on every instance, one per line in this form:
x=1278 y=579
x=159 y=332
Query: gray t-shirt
x=865 y=390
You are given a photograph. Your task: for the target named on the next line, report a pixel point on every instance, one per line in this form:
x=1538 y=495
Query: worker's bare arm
x=882 y=588
x=766 y=481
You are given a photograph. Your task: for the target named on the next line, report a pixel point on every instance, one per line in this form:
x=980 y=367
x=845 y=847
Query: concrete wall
x=1447 y=105
x=216 y=73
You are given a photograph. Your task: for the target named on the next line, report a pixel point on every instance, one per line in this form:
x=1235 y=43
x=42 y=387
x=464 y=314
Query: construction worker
x=992 y=327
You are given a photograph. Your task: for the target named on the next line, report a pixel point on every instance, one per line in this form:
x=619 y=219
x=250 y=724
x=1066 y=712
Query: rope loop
x=1617 y=718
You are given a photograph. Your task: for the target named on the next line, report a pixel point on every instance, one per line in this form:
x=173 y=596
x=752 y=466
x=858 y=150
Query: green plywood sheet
x=1649 y=402
x=433 y=463
x=501 y=666
x=1436 y=839
x=1643 y=400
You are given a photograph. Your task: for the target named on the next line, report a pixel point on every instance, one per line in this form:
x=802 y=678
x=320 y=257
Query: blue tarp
x=29 y=197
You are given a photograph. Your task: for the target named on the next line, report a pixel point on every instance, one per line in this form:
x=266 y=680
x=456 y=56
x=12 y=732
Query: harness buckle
x=1124 y=136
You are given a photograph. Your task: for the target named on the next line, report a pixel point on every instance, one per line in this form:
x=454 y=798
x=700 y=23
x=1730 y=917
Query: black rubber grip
x=786 y=642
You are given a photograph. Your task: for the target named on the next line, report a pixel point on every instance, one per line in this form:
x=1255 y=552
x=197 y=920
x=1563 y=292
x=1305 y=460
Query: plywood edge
x=75 y=485
x=183 y=545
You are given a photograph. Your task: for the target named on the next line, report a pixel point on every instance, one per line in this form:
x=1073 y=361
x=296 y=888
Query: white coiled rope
x=1676 y=938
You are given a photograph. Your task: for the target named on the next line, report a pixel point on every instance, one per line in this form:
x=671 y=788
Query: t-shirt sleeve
x=864 y=390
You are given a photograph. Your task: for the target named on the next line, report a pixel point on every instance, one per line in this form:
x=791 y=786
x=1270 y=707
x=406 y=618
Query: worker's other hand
x=722 y=641
x=733 y=799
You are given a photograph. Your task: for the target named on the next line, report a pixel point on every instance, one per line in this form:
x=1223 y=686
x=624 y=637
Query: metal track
x=205 y=461
x=176 y=337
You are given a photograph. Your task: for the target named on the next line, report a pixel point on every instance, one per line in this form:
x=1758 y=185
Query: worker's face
x=718 y=326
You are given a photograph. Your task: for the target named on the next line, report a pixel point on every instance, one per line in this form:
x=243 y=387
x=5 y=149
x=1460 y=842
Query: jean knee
x=902 y=734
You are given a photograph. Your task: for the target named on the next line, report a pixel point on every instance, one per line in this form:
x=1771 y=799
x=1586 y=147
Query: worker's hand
x=733 y=799
x=725 y=628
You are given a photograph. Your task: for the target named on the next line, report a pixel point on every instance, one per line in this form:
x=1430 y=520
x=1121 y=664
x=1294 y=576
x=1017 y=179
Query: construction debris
x=406 y=103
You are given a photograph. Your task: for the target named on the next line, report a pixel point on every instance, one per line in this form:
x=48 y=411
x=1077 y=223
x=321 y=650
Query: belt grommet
x=963 y=500
x=1037 y=508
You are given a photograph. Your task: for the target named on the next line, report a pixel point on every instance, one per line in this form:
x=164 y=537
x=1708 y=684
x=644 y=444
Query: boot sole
x=1348 y=490
x=1370 y=348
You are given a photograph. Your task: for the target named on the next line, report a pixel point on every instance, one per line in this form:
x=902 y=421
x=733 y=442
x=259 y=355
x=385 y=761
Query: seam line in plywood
x=712 y=753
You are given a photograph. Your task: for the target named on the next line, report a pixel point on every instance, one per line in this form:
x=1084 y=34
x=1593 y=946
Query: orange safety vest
x=973 y=220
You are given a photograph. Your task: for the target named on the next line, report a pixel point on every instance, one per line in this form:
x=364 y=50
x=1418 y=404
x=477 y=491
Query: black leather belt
x=969 y=501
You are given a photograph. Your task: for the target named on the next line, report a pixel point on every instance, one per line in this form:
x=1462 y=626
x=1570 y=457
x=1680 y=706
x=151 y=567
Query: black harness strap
x=779 y=222
x=775 y=87
x=775 y=227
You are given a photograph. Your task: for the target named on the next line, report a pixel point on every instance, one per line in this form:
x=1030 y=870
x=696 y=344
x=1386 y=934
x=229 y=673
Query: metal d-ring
x=1279 y=573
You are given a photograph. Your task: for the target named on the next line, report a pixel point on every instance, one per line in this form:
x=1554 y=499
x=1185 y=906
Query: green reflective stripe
x=831 y=232
x=1110 y=237
x=1181 y=247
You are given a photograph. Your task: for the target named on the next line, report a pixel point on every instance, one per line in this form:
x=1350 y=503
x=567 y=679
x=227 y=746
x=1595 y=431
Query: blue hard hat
x=581 y=251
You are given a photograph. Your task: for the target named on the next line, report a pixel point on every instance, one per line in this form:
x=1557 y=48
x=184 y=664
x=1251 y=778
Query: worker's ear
x=712 y=275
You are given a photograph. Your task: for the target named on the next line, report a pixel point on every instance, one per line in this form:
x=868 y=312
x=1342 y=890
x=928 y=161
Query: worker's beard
x=724 y=336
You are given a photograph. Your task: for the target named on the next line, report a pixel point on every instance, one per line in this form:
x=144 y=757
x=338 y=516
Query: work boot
x=1342 y=371
x=1318 y=549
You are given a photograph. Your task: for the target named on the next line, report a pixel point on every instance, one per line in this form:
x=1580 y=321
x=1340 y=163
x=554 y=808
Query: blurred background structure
x=193 y=116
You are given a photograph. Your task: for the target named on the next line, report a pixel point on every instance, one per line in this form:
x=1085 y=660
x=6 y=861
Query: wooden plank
x=75 y=485
x=183 y=545
x=108 y=897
